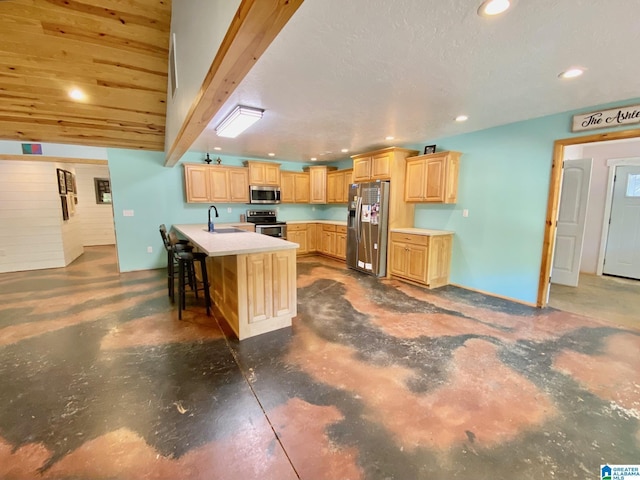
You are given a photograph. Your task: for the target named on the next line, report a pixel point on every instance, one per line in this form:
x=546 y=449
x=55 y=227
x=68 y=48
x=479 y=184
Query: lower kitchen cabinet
x=326 y=239
x=421 y=258
x=299 y=233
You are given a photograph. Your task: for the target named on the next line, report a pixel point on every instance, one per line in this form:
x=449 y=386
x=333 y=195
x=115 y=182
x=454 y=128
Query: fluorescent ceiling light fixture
x=572 y=73
x=390 y=137
x=238 y=121
x=313 y=159
x=462 y=118
x=77 y=94
x=271 y=154
x=217 y=148
x=490 y=8
x=344 y=150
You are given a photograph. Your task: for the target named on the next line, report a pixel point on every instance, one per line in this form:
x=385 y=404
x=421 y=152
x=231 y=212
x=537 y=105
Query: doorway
x=622 y=251
x=560 y=148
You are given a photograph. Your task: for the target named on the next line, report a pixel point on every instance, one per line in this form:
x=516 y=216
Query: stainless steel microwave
x=264 y=194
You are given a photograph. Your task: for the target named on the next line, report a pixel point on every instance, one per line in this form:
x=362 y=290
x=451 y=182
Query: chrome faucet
x=210 y=224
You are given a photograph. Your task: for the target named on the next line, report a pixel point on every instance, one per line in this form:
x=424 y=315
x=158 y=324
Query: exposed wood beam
x=255 y=25
x=41 y=158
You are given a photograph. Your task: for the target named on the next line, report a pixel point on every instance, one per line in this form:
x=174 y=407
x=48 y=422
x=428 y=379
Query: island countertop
x=219 y=244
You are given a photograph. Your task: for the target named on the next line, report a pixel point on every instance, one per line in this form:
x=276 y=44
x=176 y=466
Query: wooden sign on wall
x=606 y=118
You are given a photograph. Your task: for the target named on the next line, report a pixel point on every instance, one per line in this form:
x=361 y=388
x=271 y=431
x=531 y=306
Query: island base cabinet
x=255 y=293
x=421 y=259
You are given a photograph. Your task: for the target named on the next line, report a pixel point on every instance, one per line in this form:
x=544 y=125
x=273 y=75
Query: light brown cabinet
x=424 y=259
x=433 y=178
x=318 y=183
x=374 y=166
x=267 y=274
x=299 y=233
x=338 y=183
x=216 y=183
x=263 y=173
x=294 y=187
x=326 y=239
x=334 y=241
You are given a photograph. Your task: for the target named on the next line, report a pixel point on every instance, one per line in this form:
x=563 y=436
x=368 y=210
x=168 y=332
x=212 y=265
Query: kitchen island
x=252 y=277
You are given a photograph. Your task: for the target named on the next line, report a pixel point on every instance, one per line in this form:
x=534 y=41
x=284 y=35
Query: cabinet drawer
x=328 y=228
x=296 y=227
x=341 y=229
x=408 y=238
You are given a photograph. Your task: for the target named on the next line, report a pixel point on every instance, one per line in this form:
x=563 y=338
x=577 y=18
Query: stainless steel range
x=267 y=223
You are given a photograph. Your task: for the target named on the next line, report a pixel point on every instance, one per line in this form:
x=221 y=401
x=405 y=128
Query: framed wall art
x=68 y=180
x=62 y=182
x=429 y=149
x=103 y=190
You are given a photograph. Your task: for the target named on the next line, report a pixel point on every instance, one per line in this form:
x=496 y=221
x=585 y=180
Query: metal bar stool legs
x=186 y=274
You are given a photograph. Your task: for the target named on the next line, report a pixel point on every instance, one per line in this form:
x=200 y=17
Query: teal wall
x=140 y=182
x=504 y=181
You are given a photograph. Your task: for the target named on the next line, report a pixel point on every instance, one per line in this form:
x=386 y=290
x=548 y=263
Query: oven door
x=279 y=231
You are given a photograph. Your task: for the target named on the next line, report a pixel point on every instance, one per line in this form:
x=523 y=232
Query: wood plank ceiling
x=114 y=50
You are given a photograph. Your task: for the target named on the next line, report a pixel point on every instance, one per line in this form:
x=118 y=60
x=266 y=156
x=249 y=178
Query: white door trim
x=612 y=163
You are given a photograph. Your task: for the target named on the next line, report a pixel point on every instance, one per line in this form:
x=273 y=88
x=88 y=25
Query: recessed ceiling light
x=390 y=137
x=77 y=94
x=572 y=73
x=462 y=118
x=490 y=8
x=313 y=159
x=217 y=148
x=271 y=154
x=344 y=150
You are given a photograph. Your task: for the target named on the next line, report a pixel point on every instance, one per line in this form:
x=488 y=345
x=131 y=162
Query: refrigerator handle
x=358 y=219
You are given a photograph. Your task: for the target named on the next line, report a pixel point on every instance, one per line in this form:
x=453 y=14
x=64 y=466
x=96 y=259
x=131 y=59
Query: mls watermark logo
x=619 y=472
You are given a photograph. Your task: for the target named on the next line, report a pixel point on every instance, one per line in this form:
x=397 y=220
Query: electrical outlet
x=127 y=213
x=149 y=249
x=229 y=210
x=465 y=213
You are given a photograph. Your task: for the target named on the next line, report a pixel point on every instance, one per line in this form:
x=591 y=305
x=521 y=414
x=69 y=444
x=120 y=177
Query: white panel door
x=576 y=179
x=622 y=255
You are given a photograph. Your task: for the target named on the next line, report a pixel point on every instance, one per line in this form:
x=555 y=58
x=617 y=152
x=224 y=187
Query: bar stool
x=172 y=263
x=186 y=275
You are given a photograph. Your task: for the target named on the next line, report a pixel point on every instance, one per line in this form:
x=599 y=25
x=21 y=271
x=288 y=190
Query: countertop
x=326 y=222
x=422 y=231
x=236 y=243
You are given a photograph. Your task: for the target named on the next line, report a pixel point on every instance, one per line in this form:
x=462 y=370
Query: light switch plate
x=229 y=210
x=127 y=213
x=465 y=213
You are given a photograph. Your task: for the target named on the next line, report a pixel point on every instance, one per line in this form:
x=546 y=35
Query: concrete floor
x=614 y=298
x=375 y=380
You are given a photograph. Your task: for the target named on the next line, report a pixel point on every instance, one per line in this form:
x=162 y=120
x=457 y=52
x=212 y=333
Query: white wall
x=96 y=220
x=199 y=27
x=30 y=217
x=600 y=152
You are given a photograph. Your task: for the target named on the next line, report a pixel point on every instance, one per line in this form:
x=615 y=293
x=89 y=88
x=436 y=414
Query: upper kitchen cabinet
x=338 y=183
x=318 y=183
x=433 y=178
x=216 y=183
x=380 y=165
x=387 y=164
x=263 y=173
x=196 y=181
x=294 y=187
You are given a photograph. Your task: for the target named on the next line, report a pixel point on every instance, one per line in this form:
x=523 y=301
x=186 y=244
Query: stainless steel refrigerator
x=367 y=227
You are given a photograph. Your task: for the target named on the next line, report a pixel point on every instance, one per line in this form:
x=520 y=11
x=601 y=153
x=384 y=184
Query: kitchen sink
x=227 y=230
